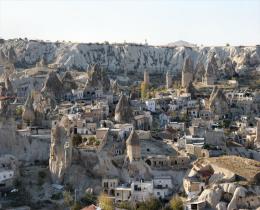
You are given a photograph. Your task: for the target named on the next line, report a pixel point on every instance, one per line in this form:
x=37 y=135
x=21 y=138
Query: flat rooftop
x=156 y=147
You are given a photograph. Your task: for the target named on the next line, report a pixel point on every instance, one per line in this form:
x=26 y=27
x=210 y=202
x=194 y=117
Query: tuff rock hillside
x=131 y=57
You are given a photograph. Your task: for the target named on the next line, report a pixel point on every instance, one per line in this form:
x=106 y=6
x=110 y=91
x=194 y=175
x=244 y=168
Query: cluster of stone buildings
x=152 y=141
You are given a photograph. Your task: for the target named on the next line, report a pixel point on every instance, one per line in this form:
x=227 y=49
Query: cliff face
x=26 y=148
x=115 y=57
x=60 y=150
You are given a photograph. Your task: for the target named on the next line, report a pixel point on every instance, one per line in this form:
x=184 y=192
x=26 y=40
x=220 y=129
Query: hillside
x=115 y=57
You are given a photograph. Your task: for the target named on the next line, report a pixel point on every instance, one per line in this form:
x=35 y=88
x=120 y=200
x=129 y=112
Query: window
x=158 y=193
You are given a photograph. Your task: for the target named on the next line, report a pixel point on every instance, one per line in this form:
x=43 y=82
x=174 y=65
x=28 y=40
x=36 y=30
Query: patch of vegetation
x=176 y=203
x=151 y=204
x=88 y=199
x=57 y=196
x=125 y=205
x=68 y=199
x=105 y=202
x=76 y=140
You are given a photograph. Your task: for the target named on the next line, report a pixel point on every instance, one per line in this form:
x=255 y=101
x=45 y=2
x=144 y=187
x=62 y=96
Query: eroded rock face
x=199 y=72
x=132 y=56
x=60 y=150
x=24 y=148
x=97 y=79
x=187 y=72
x=241 y=198
x=53 y=86
x=228 y=67
x=68 y=82
x=28 y=111
x=9 y=87
x=218 y=102
x=123 y=111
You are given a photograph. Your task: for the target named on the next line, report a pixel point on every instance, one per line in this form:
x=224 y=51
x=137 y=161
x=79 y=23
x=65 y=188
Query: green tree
x=19 y=111
x=105 y=202
x=88 y=199
x=91 y=140
x=144 y=90
x=176 y=203
x=76 y=139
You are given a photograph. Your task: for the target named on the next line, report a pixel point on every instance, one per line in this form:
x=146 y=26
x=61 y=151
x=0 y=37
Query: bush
x=97 y=143
x=91 y=140
x=151 y=204
x=76 y=206
x=76 y=139
x=56 y=196
x=106 y=203
x=125 y=205
x=88 y=199
x=68 y=199
x=176 y=203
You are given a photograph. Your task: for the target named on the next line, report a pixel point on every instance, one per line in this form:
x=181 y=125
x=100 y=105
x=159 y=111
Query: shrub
x=106 y=203
x=76 y=139
x=88 y=199
x=91 y=140
x=76 y=206
x=68 y=199
x=97 y=143
x=151 y=204
x=56 y=196
x=176 y=203
x=125 y=205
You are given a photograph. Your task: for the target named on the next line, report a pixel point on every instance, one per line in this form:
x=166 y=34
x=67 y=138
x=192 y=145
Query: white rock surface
x=132 y=57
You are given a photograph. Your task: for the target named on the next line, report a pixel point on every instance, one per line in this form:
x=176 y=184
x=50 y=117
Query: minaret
x=146 y=77
x=168 y=80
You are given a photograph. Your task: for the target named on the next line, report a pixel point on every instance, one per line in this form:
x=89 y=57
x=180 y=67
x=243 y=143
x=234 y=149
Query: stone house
x=109 y=185
x=162 y=186
x=141 y=190
x=122 y=193
x=150 y=105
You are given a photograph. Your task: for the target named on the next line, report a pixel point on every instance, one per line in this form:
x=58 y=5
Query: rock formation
x=53 y=86
x=28 y=115
x=228 y=68
x=123 y=111
x=97 y=79
x=9 y=87
x=5 y=99
x=60 y=150
x=132 y=56
x=133 y=147
x=211 y=73
x=187 y=72
x=68 y=82
x=218 y=102
x=199 y=72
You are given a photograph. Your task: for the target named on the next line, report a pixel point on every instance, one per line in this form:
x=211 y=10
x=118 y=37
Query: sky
x=207 y=22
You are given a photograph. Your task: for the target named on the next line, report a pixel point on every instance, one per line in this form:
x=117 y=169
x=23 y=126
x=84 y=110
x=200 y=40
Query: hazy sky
x=208 y=22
